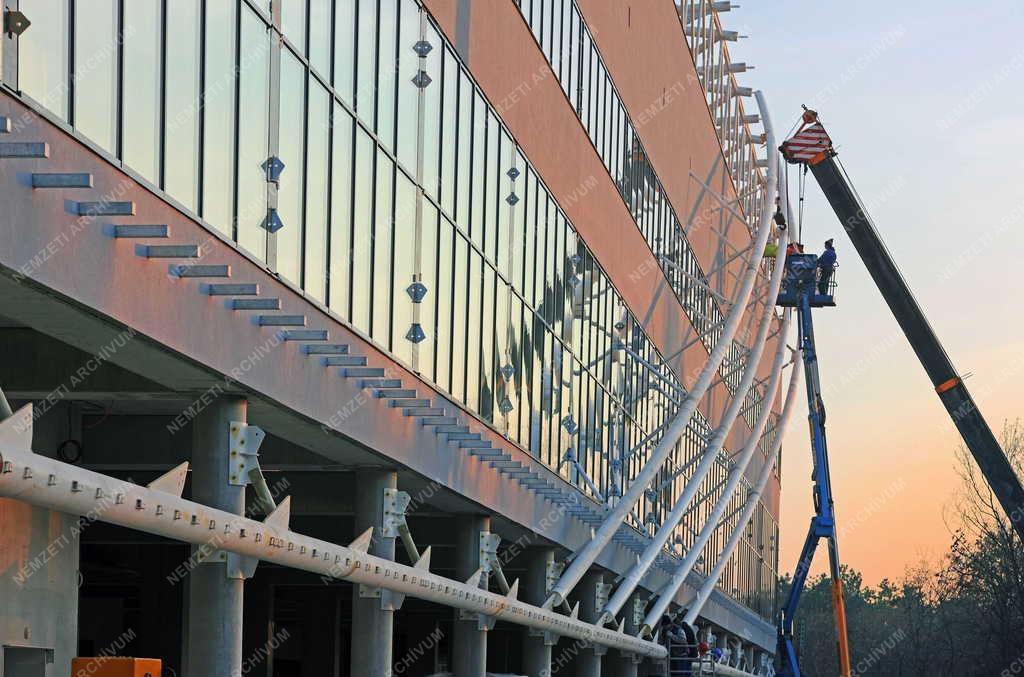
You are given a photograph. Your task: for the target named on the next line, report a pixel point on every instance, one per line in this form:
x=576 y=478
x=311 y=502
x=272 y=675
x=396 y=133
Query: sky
x=925 y=105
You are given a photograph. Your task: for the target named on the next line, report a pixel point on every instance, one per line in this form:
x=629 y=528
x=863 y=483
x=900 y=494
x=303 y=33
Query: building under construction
x=372 y=337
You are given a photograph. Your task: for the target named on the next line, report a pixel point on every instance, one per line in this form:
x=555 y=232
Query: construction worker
x=826 y=264
x=680 y=639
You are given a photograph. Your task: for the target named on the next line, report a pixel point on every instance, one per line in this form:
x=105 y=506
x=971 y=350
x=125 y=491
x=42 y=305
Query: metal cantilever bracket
x=394 y=525
x=639 y=611
x=237 y=567
x=488 y=558
x=244 y=452
x=488 y=551
x=395 y=504
x=552 y=572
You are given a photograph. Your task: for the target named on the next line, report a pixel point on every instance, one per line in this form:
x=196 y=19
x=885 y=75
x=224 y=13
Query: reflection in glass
x=362 y=228
x=344 y=48
x=460 y=317
x=473 y=329
x=387 y=71
x=218 y=115
x=314 y=278
x=444 y=291
x=253 y=131
x=141 y=107
x=181 y=121
x=341 y=213
x=383 y=245
x=289 y=196
x=432 y=115
x=293 y=22
x=366 y=61
x=404 y=265
x=96 y=72
x=408 y=93
x=320 y=36
x=43 y=54
x=428 y=276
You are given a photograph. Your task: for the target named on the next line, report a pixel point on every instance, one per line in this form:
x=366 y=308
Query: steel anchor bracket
x=395 y=505
x=244 y=452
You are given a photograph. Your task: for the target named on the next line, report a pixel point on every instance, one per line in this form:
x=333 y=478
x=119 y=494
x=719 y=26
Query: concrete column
x=373 y=628
x=39 y=575
x=624 y=665
x=588 y=660
x=533 y=590
x=469 y=643
x=215 y=600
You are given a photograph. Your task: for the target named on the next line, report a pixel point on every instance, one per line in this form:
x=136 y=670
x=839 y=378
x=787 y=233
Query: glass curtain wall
x=398 y=177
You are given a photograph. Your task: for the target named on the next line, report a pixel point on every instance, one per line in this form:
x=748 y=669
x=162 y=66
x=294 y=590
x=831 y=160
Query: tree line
x=963 y=615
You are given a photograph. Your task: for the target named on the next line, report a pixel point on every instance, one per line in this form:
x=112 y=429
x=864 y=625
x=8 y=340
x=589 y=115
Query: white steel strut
x=585 y=557
x=159 y=509
x=715 y=518
x=714 y=446
x=748 y=511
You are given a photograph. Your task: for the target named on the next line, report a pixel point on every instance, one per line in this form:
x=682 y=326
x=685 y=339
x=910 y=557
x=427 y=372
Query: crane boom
x=812 y=147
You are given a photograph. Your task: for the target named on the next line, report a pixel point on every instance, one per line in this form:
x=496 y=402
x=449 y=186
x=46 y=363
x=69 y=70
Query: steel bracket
x=389 y=599
x=395 y=505
x=602 y=593
x=243 y=457
x=488 y=551
x=272 y=223
x=273 y=166
x=639 y=611
x=15 y=22
x=552 y=573
x=237 y=567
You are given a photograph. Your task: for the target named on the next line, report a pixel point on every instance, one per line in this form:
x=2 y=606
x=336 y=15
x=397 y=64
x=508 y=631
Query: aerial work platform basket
x=802 y=271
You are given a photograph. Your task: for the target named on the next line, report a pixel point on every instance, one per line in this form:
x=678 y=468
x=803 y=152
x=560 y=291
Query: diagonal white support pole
x=711 y=581
x=603 y=535
x=714 y=446
x=668 y=593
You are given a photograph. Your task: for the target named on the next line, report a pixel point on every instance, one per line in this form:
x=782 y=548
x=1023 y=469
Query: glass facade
x=396 y=170
x=571 y=51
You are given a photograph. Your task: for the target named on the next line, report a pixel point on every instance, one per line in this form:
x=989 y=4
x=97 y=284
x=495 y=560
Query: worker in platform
x=827 y=265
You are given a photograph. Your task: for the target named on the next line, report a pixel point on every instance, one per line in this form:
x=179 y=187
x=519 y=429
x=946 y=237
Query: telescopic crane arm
x=812 y=147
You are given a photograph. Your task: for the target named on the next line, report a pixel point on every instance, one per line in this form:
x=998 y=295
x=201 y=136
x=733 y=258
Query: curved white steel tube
x=732 y=483
x=586 y=556
x=748 y=509
x=160 y=510
x=650 y=554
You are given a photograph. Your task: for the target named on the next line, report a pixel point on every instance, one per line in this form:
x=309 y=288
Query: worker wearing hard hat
x=827 y=265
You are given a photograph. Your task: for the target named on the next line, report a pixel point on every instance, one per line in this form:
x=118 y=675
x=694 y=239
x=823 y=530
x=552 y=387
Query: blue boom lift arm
x=800 y=290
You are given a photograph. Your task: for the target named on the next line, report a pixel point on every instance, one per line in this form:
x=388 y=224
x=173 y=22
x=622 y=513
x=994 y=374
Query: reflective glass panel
x=96 y=72
x=43 y=54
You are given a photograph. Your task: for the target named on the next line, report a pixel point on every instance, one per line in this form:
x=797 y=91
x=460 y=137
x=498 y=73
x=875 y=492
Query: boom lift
x=801 y=290
x=811 y=147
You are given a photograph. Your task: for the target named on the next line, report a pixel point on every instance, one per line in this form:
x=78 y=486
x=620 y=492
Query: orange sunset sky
x=929 y=129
